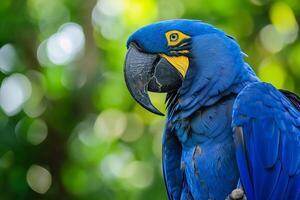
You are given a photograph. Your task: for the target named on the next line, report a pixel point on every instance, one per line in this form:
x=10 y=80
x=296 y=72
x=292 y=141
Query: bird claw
x=237 y=194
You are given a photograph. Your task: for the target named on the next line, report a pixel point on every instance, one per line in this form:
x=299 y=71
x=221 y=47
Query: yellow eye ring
x=174 y=37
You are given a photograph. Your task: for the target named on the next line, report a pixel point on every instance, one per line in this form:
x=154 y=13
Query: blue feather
x=293 y=192
x=171 y=164
x=271 y=135
x=242 y=163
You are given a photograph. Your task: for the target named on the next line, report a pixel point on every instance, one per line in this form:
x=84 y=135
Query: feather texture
x=171 y=156
x=271 y=139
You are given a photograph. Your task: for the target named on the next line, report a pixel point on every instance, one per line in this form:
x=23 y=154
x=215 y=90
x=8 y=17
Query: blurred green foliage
x=69 y=128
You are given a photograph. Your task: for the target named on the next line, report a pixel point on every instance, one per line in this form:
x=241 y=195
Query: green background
x=68 y=126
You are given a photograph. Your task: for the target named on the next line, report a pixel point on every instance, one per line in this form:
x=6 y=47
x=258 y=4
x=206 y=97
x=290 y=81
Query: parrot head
x=158 y=57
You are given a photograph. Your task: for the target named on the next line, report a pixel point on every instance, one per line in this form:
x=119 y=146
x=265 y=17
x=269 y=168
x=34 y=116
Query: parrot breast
x=208 y=153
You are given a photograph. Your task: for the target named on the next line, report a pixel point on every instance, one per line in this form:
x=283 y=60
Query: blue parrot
x=224 y=126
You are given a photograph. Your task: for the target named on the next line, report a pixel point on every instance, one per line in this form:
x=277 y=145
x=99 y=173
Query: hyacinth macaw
x=224 y=126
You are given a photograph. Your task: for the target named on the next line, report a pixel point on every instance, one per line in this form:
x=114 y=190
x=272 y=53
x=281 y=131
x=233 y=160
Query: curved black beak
x=149 y=72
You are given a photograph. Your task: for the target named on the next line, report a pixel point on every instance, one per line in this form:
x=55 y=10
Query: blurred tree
x=68 y=127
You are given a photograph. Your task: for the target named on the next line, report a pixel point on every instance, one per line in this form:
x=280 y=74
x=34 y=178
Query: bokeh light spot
x=8 y=58
x=66 y=44
x=106 y=18
x=85 y=132
x=37 y=132
x=113 y=165
x=284 y=21
x=36 y=104
x=14 y=92
x=39 y=179
x=111 y=7
x=271 y=39
x=282 y=17
x=110 y=124
x=42 y=55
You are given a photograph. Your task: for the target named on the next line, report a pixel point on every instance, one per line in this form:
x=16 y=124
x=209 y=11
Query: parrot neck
x=183 y=103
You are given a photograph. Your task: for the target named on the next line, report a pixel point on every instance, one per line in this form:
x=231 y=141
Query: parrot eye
x=173 y=37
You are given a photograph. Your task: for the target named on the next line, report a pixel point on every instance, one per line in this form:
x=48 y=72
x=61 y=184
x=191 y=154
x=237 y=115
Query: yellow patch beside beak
x=181 y=63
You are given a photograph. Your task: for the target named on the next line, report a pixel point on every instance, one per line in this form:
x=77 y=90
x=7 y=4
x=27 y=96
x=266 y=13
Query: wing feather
x=269 y=164
x=171 y=156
